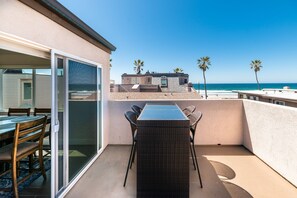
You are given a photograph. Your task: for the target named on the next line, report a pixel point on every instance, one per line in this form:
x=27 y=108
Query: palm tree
x=203 y=64
x=138 y=66
x=178 y=70
x=256 y=66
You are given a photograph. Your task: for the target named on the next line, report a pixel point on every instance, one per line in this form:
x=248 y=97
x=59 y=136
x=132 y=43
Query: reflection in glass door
x=83 y=115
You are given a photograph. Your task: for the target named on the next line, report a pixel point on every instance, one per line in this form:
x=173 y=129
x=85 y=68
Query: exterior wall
x=183 y=80
x=156 y=81
x=144 y=80
x=105 y=97
x=152 y=95
x=12 y=89
x=173 y=84
x=33 y=26
x=43 y=91
x=270 y=133
x=225 y=117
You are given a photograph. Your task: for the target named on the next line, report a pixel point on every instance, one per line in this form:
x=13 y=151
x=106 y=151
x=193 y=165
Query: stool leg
x=197 y=166
x=134 y=150
x=193 y=159
x=130 y=158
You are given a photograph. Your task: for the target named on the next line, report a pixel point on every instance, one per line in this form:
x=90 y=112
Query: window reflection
x=18 y=89
x=26 y=88
x=83 y=115
x=82 y=82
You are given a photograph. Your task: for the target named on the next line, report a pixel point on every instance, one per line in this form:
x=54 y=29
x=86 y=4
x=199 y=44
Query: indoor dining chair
x=23 y=147
x=131 y=117
x=47 y=133
x=18 y=111
x=189 y=110
x=42 y=111
x=136 y=109
x=194 y=119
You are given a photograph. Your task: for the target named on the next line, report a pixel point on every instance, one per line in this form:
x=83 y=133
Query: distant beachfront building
x=152 y=85
x=167 y=82
x=285 y=97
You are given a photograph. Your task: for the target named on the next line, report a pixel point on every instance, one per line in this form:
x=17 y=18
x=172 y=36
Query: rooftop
x=155 y=74
x=288 y=94
x=226 y=171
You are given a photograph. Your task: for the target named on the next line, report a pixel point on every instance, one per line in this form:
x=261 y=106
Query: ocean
x=242 y=86
x=226 y=89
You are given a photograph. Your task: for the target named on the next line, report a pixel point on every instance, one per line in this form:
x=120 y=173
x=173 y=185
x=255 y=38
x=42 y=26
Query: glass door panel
x=82 y=108
x=99 y=104
x=61 y=116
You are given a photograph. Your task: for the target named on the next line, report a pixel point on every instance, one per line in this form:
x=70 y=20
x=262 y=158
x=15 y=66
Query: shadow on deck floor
x=226 y=171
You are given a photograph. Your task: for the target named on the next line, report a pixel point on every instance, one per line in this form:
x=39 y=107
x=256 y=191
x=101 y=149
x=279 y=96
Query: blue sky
x=166 y=34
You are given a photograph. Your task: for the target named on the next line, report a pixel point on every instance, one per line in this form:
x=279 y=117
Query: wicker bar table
x=162 y=152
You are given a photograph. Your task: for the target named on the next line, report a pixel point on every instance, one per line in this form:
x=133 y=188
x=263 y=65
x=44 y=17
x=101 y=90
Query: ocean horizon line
x=247 y=83
x=243 y=86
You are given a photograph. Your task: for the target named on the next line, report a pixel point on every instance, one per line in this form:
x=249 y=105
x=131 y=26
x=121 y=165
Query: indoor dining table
x=162 y=151
x=7 y=125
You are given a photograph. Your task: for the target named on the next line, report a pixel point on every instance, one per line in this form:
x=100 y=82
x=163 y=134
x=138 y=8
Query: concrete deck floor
x=226 y=171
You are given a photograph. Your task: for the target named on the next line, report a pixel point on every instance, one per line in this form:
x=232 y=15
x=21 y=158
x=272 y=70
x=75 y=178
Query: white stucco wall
x=270 y=132
x=43 y=91
x=12 y=89
x=221 y=122
x=173 y=84
x=20 y=20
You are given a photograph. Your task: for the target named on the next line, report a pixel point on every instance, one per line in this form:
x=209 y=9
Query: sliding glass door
x=83 y=115
x=77 y=121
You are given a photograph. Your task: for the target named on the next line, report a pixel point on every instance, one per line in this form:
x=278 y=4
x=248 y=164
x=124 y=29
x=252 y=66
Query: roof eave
x=61 y=11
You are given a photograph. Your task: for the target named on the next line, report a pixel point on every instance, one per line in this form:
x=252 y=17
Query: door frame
x=55 y=125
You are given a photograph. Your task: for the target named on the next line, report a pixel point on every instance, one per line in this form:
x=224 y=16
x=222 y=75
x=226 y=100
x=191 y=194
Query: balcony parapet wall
x=270 y=132
x=221 y=122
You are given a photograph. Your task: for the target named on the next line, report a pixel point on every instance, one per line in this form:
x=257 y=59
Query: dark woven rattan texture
x=163 y=159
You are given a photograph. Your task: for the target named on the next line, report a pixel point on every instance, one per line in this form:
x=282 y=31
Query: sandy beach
x=219 y=94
